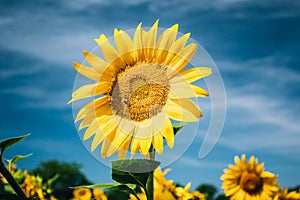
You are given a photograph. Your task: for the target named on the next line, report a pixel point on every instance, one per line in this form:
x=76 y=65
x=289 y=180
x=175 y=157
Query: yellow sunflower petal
x=96 y=62
x=107 y=143
x=193 y=74
x=137 y=44
x=168 y=133
x=91 y=130
x=88 y=72
x=143 y=136
x=124 y=45
x=176 y=48
x=179 y=88
x=90 y=90
x=165 y=42
x=108 y=51
x=159 y=122
x=198 y=91
x=100 y=113
x=90 y=107
x=158 y=143
x=104 y=130
x=180 y=113
x=190 y=106
x=98 y=138
x=151 y=41
x=119 y=139
x=124 y=149
x=267 y=175
x=184 y=57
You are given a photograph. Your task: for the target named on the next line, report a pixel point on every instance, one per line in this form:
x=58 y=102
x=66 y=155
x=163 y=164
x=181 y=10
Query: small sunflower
x=286 y=195
x=99 y=195
x=82 y=194
x=248 y=180
x=139 y=86
x=165 y=189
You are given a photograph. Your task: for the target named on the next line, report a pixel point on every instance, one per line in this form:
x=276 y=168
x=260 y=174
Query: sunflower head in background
x=140 y=84
x=248 y=180
x=287 y=195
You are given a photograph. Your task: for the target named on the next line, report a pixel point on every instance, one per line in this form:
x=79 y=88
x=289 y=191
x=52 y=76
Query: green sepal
x=135 y=171
x=128 y=188
x=4 y=144
x=178 y=127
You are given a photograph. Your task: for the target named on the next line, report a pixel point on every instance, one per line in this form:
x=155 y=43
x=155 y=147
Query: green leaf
x=17 y=158
x=51 y=180
x=4 y=144
x=178 y=127
x=9 y=189
x=128 y=188
x=134 y=171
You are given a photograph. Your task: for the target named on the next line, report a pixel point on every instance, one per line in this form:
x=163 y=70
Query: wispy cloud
x=259 y=114
x=38 y=97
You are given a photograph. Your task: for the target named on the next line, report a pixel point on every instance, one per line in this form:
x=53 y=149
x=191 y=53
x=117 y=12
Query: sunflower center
x=82 y=193
x=140 y=92
x=251 y=183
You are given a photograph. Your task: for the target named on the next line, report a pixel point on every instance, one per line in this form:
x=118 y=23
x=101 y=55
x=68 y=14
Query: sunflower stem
x=11 y=180
x=149 y=186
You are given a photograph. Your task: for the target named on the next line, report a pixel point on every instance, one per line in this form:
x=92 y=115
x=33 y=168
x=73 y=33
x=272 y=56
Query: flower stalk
x=10 y=179
x=150 y=186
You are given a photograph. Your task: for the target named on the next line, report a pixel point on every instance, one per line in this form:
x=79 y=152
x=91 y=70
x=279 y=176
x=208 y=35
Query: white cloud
x=37 y=97
x=198 y=163
x=6 y=21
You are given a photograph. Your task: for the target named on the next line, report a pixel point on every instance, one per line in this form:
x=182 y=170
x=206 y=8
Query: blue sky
x=255 y=45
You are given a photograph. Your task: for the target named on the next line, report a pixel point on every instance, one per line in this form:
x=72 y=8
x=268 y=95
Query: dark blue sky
x=255 y=45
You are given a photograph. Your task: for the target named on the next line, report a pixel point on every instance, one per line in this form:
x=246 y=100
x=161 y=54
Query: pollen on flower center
x=140 y=92
x=251 y=183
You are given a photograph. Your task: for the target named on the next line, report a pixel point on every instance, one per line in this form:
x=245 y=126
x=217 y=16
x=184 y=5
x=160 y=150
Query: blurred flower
x=99 y=195
x=33 y=186
x=248 y=180
x=286 y=195
x=166 y=190
x=141 y=196
x=139 y=86
x=82 y=194
x=12 y=169
x=198 y=195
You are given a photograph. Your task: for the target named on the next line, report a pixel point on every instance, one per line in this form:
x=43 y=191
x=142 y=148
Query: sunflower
x=248 y=180
x=82 y=194
x=167 y=190
x=286 y=195
x=139 y=86
x=99 y=195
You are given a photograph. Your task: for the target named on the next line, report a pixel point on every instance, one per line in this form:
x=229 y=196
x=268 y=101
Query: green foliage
x=17 y=158
x=127 y=188
x=178 y=127
x=116 y=194
x=69 y=174
x=296 y=188
x=134 y=171
x=208 y=190
x=5 y=144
